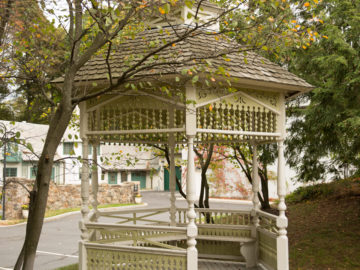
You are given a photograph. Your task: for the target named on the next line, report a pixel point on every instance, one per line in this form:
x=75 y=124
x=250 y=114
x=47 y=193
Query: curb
x=76 y=212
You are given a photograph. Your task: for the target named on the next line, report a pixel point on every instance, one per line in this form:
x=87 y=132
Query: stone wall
x=62 y=196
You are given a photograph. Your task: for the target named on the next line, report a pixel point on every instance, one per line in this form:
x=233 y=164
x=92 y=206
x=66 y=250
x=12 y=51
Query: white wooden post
x=82 y=256
x=250 y=250
x=94 y=214
x=172 y=180
x=84 y=189
x=192 y=253
x=84 y=173
x=282 y=222
x=172 y=170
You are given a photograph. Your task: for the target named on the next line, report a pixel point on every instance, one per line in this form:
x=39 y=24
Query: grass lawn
x=51 y=213
x=324 y=232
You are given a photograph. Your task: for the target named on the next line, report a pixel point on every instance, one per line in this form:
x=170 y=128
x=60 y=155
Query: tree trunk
x=202 y=189
x=55 y=133
x=265 y=204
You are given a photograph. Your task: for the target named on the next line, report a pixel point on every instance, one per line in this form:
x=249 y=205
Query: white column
x=84 y=189
x=128 y=176
x=282 y=222
x=255 y=189
x=172 y=180
x=192 y=253
x=172 y=172
x=94 y=214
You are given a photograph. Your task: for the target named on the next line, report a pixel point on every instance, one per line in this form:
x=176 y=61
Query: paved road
x=59 y=239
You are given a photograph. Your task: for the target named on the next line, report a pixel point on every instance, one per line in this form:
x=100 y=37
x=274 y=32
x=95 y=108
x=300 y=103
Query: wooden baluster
x=242 y=112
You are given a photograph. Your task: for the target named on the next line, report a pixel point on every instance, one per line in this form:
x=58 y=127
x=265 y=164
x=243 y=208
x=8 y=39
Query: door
x=112 y=180
x=167 y=178
x=141 y=177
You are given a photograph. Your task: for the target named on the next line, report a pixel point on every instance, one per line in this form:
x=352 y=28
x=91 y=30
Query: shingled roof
x=218 y=51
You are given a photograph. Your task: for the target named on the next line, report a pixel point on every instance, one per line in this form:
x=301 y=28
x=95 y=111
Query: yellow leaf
x=162 y=11
x=307 y=4
x=325 y=37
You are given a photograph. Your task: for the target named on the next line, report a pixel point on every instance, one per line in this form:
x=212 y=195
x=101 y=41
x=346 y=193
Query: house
x=117 y=163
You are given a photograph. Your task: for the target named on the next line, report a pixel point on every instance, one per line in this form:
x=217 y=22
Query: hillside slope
x=324 y=226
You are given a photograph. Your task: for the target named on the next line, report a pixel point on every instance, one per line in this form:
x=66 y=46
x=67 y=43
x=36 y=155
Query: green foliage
x=35 y=57
x=324 y=137
x=272 y=26
x=335 y=189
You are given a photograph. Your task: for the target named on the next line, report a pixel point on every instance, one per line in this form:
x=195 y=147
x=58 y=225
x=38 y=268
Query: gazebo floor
x=219 y=265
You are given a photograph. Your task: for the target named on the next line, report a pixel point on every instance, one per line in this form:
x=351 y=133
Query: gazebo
x=189 y=110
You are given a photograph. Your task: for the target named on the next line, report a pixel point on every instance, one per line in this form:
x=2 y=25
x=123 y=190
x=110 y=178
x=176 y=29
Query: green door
x=167 y=178
x=141 y=177
x=112 y=178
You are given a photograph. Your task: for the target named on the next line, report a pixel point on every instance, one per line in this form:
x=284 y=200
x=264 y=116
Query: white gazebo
x=187 y=111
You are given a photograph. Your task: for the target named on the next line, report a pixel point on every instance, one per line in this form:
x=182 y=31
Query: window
x=91 y=148
x=68 y=148
x=123 y=176
x=11 y=172
x=33 y=173
x=112 y=177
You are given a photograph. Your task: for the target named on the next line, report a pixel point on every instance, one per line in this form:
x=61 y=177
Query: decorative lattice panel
x=119 y=259
x=236 y=117
x=132 y=118
x=267 y=249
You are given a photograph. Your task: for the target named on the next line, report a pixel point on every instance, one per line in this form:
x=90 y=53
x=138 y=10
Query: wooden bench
x=240 y=235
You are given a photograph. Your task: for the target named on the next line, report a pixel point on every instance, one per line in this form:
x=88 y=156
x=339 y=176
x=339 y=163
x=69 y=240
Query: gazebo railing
x=222 y=234
x=267 y=233
x=100 y=256
x=137 y=216
x=115 y=246
x=215 y=216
